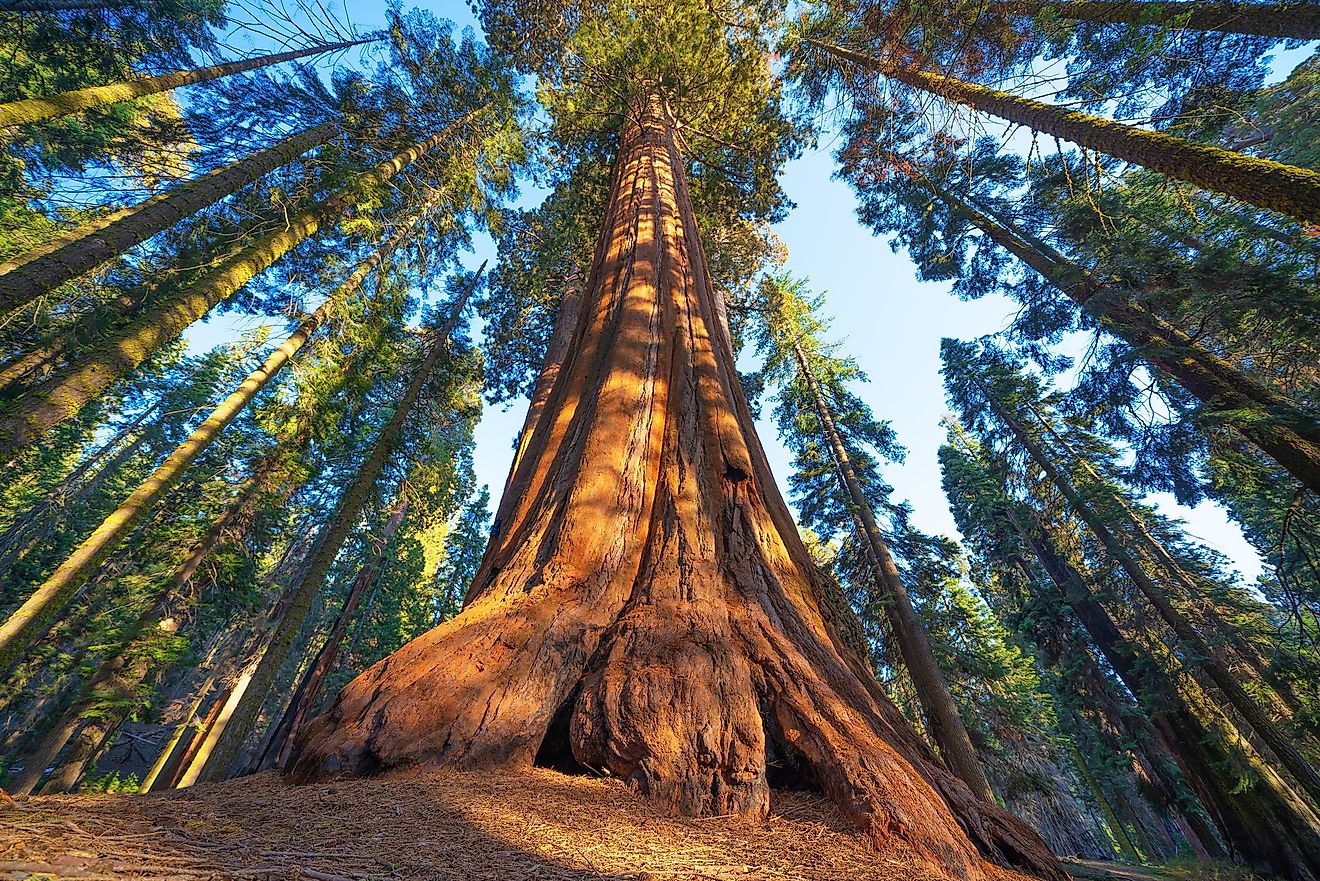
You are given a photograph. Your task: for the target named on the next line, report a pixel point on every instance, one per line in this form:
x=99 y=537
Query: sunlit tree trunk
x=647 y=607
x=37 y=109
x=65 y=394
x=32 y=618
x=41 y=270
x=1299 y=21
x=942 y=716
x=328 y=543
x=1264 y=183
x=279 y=743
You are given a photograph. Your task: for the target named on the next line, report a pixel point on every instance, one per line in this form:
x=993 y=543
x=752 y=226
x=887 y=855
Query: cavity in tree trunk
x=942 y=716
x=42 y=269
x=37 y=109
x=647 y=607
x=1261 y=182
x=1299 y=21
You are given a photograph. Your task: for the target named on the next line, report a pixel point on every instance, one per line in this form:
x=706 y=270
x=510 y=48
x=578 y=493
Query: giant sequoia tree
x=645 y=605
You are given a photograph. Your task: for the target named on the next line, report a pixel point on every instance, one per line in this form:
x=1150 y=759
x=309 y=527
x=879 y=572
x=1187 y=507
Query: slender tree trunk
x=64 y=395
x=328 y=544
x=1286 y=433
x=1154 y=552
x=648 y=607
x=1299 y=21
x=1201 y=654
x=1256 y=181
x=280 y=744
x=1266 y=823
x=33 y=527
x=42 y=269
x=36 y=109
x=942 y=716
x=34 y=616
x=170 y=750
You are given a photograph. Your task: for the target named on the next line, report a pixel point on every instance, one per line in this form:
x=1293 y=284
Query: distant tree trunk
x=65 y=394
x=32 y=618
x=1261 y=182
x=42 y=269
x=1266 y=823
x=1288 y=434
x=111 y=691
x=328 y=544
x=36 y=109
x=942 y=716
x=33 y=527
x=648 y=607
x=1206 y=657
x=1299 y=21
x=279 y=743
x=1249 y=660
x=169 y=752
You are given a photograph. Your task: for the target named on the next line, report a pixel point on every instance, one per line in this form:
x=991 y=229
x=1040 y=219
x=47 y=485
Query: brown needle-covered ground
x=435 y=825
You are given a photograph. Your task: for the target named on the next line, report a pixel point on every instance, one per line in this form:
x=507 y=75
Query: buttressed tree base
x=645 y=605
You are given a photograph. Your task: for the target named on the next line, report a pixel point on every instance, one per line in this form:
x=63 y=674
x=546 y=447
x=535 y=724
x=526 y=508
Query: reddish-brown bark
x=646 y=602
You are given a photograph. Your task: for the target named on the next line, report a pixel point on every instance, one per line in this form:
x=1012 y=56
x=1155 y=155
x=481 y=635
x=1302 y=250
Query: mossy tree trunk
x=31 y=619
x=328 y=543
x=41 y=270
x=64 y=394
x=1264 y=183
x=1284 y=431
x=647 y=607
x=36 y=109
x=1299 y=21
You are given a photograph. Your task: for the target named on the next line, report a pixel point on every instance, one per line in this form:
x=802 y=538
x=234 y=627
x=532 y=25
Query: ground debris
x=438 y=826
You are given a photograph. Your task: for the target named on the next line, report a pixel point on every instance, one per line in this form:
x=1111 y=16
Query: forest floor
x=438 y=826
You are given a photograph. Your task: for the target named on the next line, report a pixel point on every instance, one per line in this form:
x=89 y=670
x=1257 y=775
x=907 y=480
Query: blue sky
x=889 y=321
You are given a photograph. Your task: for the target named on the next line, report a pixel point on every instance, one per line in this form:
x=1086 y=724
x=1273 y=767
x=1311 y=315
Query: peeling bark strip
x=37 y=109
x=42 y=269
x=1261 y=182
x=647 y=604
x=1283 y=20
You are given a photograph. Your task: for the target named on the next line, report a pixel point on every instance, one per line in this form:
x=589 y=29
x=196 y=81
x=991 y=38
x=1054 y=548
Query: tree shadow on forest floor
x=539 y=824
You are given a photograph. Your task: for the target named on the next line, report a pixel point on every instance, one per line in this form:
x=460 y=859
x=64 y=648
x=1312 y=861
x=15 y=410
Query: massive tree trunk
x=42 y=269
x=37 y=109
x=647 y=607
x=1261 y=182
x=1299 y=21
x=942 y=716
